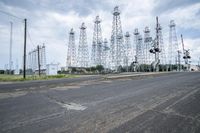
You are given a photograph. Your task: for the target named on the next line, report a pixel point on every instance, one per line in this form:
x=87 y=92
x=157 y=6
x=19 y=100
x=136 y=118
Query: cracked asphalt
x=166 y=103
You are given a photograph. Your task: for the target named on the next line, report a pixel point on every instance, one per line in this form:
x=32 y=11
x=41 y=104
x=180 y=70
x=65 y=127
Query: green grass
x=7 y=78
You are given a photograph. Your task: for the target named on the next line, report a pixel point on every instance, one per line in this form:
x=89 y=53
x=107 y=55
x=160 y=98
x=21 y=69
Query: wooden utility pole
x=24 y=69
x=38 y=49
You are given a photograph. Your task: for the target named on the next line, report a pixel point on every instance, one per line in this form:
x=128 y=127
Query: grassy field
x=7 y=78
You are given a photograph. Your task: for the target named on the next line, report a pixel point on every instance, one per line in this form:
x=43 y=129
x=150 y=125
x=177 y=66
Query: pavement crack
x=68 y=106
x=32 y=121
x=174 y=113
x=181 y=99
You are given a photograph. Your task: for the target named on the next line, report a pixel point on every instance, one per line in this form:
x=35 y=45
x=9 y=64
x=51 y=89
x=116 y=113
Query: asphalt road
x=167 y=103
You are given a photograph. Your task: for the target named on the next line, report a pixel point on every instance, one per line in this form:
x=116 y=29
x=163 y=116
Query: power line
x=9 y=14
x=30 y=38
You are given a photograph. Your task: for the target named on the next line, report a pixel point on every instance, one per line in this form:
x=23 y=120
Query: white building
x=52 y=69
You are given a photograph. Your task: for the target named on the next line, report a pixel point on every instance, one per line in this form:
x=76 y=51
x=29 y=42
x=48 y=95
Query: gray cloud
x=162 y=6
x=82 y=7
x=198 y=13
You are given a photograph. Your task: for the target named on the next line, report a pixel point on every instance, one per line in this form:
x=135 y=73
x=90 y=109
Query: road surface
x=167 y=103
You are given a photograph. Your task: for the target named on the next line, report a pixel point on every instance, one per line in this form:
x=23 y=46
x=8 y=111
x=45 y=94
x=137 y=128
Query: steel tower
x=173 y=44
x=162 y=47
x=117 y=48
x=43 y=57
x=97 y=43
x=138 y=44
x=156 y=47
x=71 y=53
x=136 y=35
x=33 y=58
x=148 y=57
x=128 y=50
x=83 y=47
x=105 y=54
x=29 y=62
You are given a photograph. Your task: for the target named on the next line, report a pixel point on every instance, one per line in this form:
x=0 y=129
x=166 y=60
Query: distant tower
x=162 y=46
x=29 y=62
x=173 y=44
x=135 y=43
x=140 y=50
x=35 y=59
x=43 y=57
x=71 y=53
x=83 y=48
x=6 y=68
x=97 y=43
x=10 y=52
x=105 y=54
x=128 y=50
x=16 y=68
x=117 y=48
x=156 y=47
x=138 y=44
x=148 y=57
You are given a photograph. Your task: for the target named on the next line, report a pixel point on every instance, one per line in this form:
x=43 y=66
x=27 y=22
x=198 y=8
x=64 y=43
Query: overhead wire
x=22 y=20
x=9 y=14
x=30 y=39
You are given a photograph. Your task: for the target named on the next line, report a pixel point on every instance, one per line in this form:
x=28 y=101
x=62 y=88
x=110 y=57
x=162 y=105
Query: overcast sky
x=49 y=22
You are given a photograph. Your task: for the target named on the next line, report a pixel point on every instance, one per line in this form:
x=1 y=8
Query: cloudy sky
x=49 y=22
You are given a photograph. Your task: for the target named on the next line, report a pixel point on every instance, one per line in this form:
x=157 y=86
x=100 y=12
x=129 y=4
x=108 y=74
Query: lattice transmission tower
x=71 y=53
x=128 y=50
x=97 y=43
x=43 y=57
x=105 y=54
x=138 y=46
x=156 y=47
x=162 y=46
x=148 y=57
x=83 y=55
x=173 y=44
x=33 y=58
x=117 y=47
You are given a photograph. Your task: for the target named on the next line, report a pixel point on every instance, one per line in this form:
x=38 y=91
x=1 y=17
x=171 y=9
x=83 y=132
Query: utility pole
x=186 y=55
x=10 y=58
x=24 y=69
x=156 y=48
x=38 y=49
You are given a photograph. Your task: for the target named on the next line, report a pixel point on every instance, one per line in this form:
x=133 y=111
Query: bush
x=2 y=72
x=99 y=68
